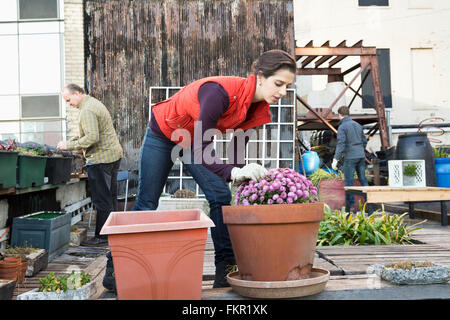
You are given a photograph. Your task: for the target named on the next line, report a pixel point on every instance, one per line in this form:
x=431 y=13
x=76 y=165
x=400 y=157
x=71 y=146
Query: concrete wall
x=417 y=32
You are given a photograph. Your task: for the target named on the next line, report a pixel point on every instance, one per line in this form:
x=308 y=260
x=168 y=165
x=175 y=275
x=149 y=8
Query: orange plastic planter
x=158 y=255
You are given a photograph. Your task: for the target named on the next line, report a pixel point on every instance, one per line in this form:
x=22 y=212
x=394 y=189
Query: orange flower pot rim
x=264 y=213
x=164 y=220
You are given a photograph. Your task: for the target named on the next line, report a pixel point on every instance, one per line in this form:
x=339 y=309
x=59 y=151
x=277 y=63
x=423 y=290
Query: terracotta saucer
x=280 y=289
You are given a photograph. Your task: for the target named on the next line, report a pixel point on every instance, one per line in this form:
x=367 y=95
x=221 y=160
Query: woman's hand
x=251 y=171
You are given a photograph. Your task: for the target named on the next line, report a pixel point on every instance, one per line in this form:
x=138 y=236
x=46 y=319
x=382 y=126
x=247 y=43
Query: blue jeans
x=350 y=166
x=154 y=166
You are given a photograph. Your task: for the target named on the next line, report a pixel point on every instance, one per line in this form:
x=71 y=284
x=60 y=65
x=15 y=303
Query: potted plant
x=409 y=174
x=30 y=165
x=37 y=258
x=273 y=226
x=8 y=163
x=74 y=286
x=182 y=199
x=413 y=272
x=330 y=184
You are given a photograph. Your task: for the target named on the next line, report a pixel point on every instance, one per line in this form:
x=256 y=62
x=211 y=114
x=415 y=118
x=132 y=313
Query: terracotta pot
x=331 y=192
x=23 y=270
x=12 y=259
x=274 y=242
x=158 y=255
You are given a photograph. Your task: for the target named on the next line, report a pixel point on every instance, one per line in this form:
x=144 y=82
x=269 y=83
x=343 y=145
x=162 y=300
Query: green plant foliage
x=440 y=153
x=410 y=170
x=19 y=251
x=32 y=149
x=344 y=228
x=409 y=265
x=52 y=283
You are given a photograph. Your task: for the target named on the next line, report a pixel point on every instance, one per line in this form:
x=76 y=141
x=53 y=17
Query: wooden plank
x=380 y=194
x=333 y=51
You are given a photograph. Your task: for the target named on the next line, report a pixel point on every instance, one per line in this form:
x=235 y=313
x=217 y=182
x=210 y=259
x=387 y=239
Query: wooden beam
x=326 y=58
x=356 y=66
x=309 y=44
x=311 y=58
x=363 y=66
x=333 y=51
x=316 y=114
x=337 y=59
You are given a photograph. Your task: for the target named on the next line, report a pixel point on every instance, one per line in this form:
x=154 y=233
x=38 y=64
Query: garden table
x=381 y=194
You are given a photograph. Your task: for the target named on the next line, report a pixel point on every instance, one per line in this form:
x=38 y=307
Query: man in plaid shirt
x=102 y=150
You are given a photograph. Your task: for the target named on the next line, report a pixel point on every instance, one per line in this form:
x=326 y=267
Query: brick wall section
x=74 y=56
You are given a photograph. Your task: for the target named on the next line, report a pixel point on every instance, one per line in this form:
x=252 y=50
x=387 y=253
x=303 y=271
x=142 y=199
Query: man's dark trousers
x=102 y=179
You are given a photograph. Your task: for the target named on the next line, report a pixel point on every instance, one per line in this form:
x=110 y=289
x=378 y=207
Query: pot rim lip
x=319 y=203
x=250 y=215
x=110 y=227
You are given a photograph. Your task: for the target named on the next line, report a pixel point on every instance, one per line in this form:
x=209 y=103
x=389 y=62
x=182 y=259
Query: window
x=38 y=9
x=384 y=69
x=31 y=71
x=379 y=3
x=40 y=106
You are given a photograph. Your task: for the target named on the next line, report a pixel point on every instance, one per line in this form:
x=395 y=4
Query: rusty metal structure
x=134 y=45
x=324 y=118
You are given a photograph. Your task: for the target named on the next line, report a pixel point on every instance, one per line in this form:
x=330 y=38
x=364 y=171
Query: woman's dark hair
x=273 y=60
x=72 y=87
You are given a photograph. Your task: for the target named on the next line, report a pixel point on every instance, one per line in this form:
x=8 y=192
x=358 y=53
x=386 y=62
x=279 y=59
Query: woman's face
x=273 y=88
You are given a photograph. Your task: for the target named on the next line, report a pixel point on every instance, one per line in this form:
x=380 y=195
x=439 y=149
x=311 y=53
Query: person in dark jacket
x=351 y=143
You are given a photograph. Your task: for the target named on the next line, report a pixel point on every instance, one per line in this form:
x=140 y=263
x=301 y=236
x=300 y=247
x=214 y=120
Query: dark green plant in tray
x=410 y=170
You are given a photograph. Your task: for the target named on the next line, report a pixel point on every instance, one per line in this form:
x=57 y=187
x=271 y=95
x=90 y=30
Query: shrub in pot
x=273 y=226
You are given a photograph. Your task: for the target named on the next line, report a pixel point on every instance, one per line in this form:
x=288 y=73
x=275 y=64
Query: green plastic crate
x=30 y=171
x=49 y=230
x=8 y=165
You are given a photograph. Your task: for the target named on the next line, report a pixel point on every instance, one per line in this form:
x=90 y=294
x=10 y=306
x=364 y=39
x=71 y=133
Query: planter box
x=158 y=255
x=44 y=230
x=82 y=293
x=6 y=289
x=37 y=261
x=331 y=191
x=30 y=171
x=8 y=165
x=167 y=203
x=58 y=169
x=78 y=236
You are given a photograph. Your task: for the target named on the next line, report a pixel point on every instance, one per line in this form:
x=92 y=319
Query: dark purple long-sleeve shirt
x=214 y=101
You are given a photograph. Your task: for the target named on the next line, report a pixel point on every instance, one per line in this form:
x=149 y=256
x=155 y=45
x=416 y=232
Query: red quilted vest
x=183 y=108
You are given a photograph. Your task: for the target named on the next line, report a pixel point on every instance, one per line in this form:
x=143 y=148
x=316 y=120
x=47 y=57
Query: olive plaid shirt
x=97 y=137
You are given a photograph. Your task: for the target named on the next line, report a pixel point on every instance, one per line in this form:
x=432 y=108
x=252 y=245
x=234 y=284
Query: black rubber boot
x=109 y=280
x=222 y=269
